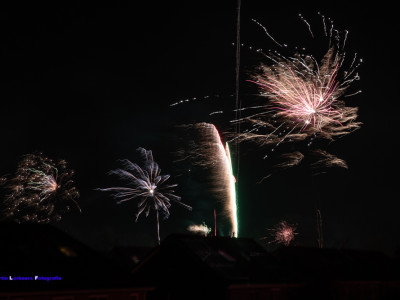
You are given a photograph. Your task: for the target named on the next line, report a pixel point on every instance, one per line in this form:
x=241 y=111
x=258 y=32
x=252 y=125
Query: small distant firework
x=207 y=151
x=147 y=184
x=41 y=190
x=283 y=233
x=202 y=229
x=303 y=97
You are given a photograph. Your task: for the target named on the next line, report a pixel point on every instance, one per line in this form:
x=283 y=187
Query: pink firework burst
x=305 y=99
x=302 y=98
x=283 y=233
x=303 y=93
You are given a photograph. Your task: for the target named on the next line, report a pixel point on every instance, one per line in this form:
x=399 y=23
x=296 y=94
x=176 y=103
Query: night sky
x=90 y=83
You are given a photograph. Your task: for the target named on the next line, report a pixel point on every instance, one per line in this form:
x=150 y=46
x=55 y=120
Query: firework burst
x=147 y=184
x=283 y=233
x=303 y=97
x=41 y=190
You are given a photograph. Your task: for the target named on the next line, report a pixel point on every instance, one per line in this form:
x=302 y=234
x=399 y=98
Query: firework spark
x=325 y=159
x=41 y=190
x=147 y=184
x=283 y=233
x=290 y=160
x=207 y=151
x=202 y=229
x=302 y=97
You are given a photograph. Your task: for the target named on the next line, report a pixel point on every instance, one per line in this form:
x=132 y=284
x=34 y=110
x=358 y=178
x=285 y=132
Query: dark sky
x=92 y=82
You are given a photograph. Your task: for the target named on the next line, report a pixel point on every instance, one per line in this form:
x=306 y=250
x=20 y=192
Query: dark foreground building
x=195 y=267
x=48 y=264
x=57 y=267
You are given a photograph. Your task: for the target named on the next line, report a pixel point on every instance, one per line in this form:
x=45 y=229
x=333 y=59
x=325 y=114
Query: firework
x=325 y=159
x=290 y=160
x=302 y=97
x=207 y=151
x=40 y=191
x=202 y=229
x=232 y=191
x=147 y=184
x=283 y=233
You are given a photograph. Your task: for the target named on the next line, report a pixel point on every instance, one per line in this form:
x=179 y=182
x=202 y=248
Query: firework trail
x=302 y=98
x=232 y=192
x=283 y=233
x=146 y=184
x=40 y=191
x=207 y=151
x=290 y=160
x=202 y=229
x=325 y=159
x=320 y=160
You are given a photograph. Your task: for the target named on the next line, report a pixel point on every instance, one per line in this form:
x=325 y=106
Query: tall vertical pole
x=319 y=229
x=158 y=228
x=215 y=223
x=238 y=103
x=237 y=98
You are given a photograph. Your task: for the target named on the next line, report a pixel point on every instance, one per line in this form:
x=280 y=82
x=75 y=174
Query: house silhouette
x=186 y=267
x=197 y=267
x=30 y=250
